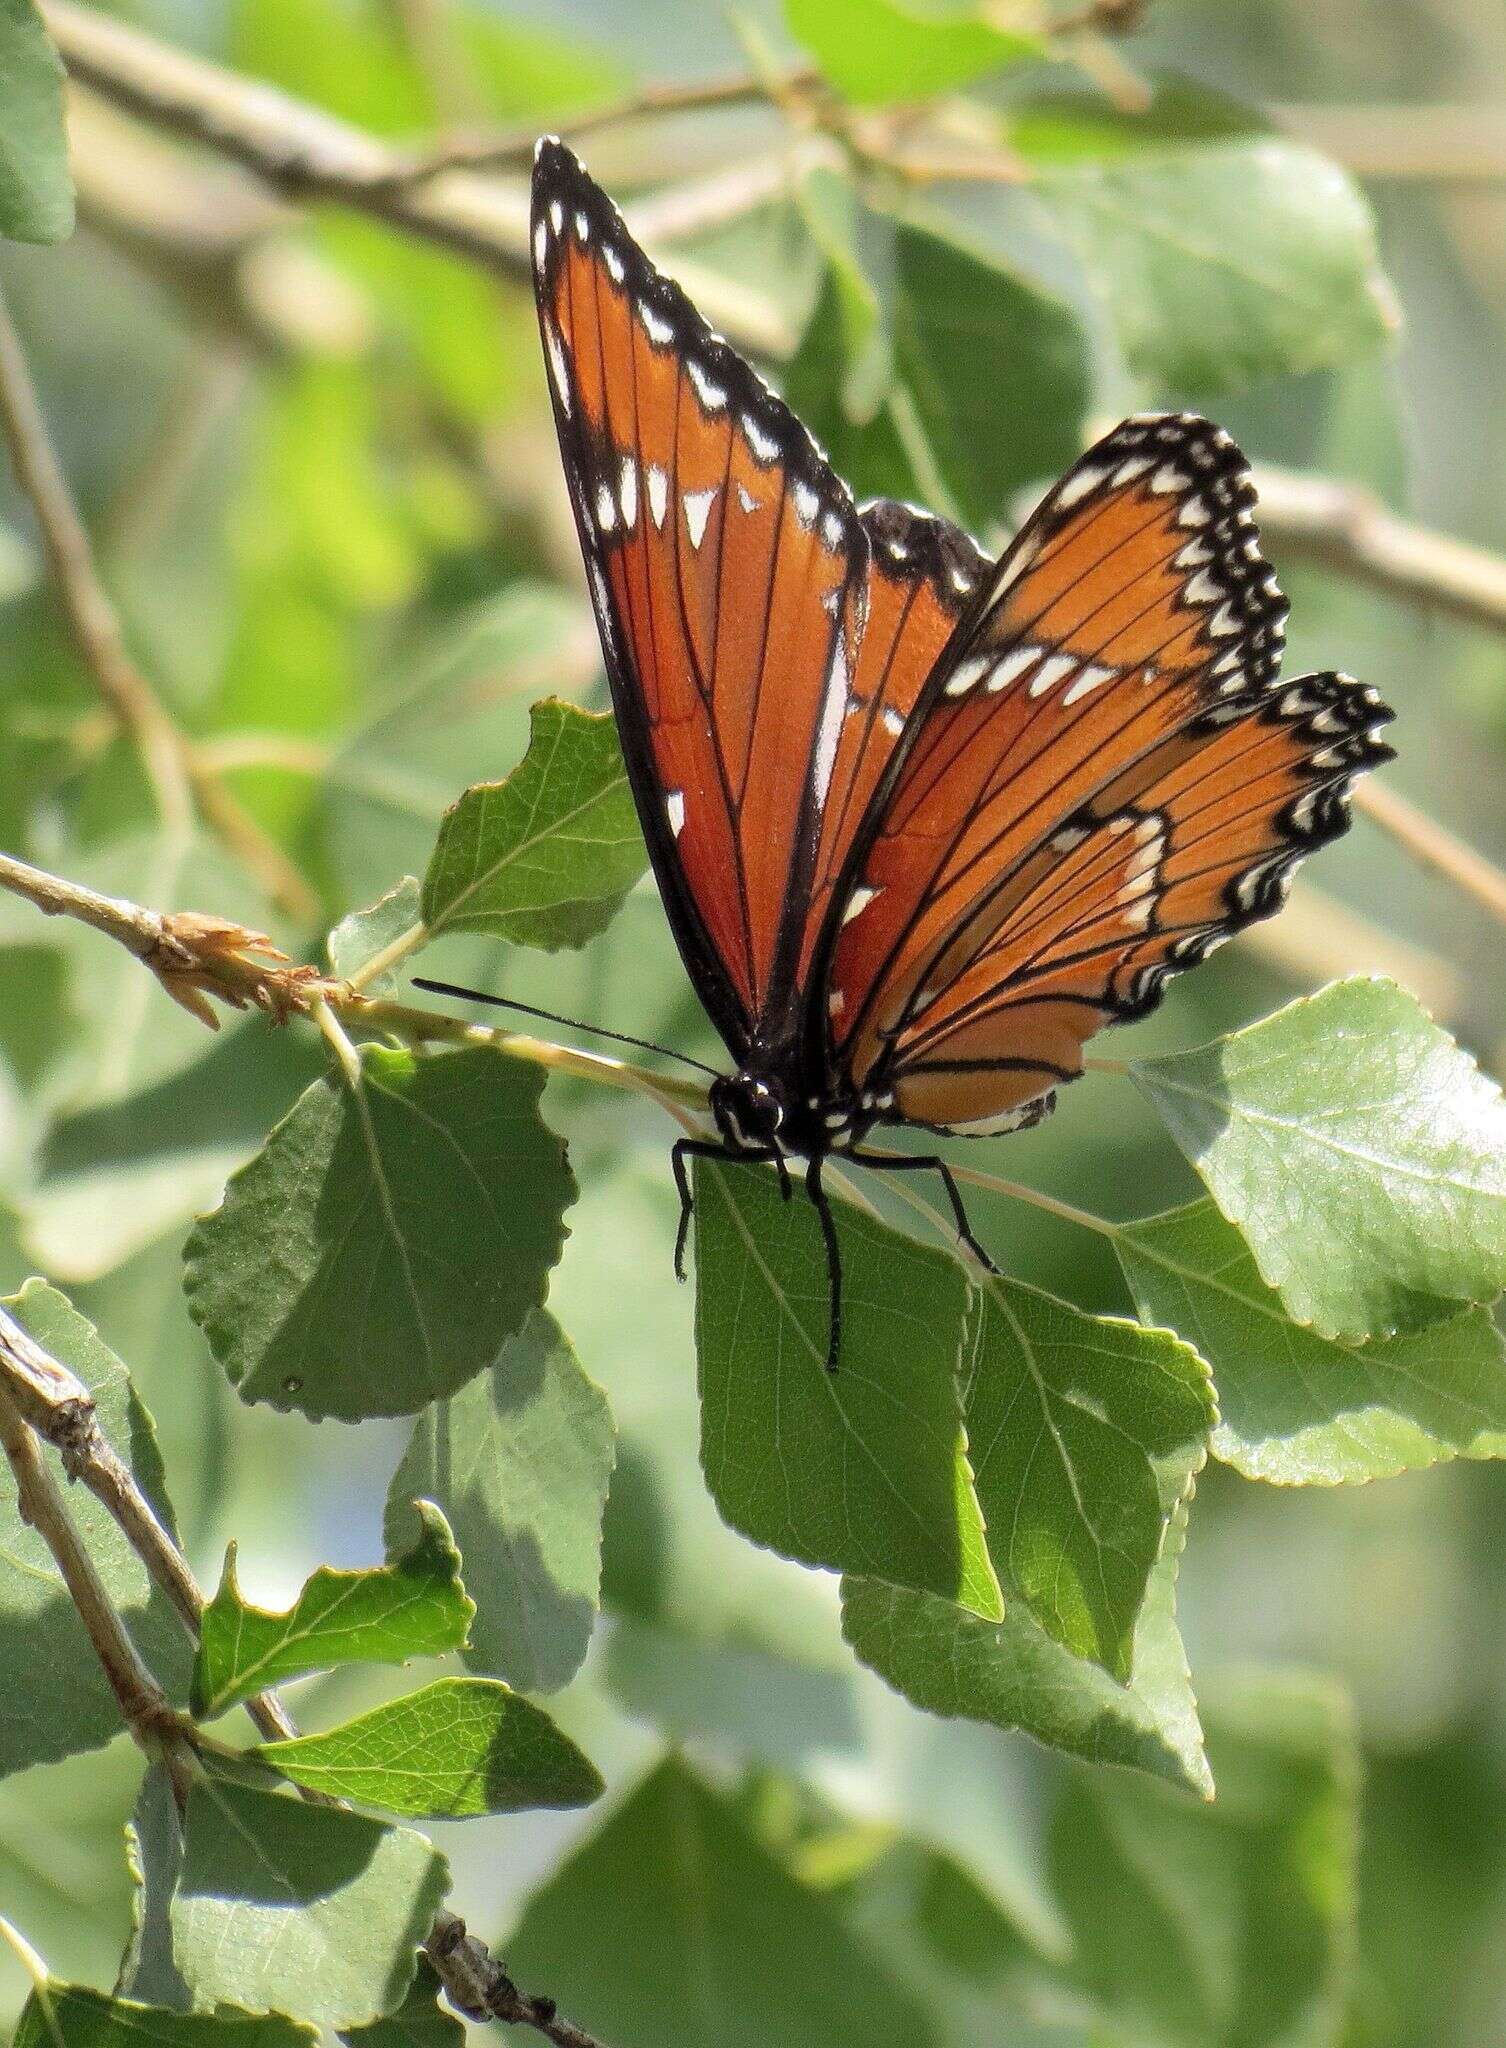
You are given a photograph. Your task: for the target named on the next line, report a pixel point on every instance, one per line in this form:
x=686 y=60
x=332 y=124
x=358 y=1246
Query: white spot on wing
x=1015 y=664
x=893 y=720
x=559 y=369
x=658 y=492
x=556 y=215
x=615 y=265
x=540 y=244
x=858 y=902
x=764 y=446
x=627 y=492
x=1202 y=589
x=1079 y=484
x=711 y=394
x=582 y=225
x=968 y=675
x=746 y=499
x=698 y=506
x=1193 y=513
x=1135 y=465
x=831 y=531
x=655 y=326
x=807 y=504
x=1169 y=478
x=1052 y=671
x=1090 y=679
x=832 y=707
x=674 y=810
x=606 y=508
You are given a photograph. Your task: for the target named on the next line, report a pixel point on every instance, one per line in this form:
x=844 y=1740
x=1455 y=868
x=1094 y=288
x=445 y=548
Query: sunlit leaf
x=459 y=1747
x=878 y=50
x=307 y=1910
x=415 y=1607
x=545 y=857
x=388 y=1238
x=1084 y=1431
x=1012 y=1675
x=1300 y=1409
x=56 y=1700
x=36 y=191
x=864 y=1469
x=419 y=2022
x=1358 y=1150
x=68 y=2016
x=519 y=1460
x=742 y=1952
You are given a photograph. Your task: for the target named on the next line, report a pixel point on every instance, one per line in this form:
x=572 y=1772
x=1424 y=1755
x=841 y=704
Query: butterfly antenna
x=476 y=995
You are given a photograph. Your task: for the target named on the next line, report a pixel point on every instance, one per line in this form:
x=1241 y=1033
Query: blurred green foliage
x=324 y=490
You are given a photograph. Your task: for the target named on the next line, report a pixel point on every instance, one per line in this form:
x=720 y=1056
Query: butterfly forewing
x=727 y=568
x=1102 y=781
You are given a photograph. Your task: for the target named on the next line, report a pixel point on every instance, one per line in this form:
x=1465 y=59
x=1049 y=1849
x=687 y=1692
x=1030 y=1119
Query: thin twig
x=1449 y=145
x=179 y=782
x=306 y=154
x=1432 y=844
x=513 y=150
x=478 y=1986
x=197 y=957
x=91 y=616
x=1344 y=527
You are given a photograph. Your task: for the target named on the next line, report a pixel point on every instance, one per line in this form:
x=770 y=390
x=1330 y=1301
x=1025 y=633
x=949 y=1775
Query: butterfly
x=922 y=822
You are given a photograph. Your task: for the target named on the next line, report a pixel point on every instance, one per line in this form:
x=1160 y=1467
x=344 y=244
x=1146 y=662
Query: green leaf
x=459 y=1747
x=308 y=1910
x=520 y=1461
x=545 y=857
x=886 y=374
x=1359 y=1152
x=1303 y=1410
x=874 y=51
x=864 y=1469
x=1085 y=1431
x=953 y=309
x=387 y=1239
x=1223 y=263
x=1230 y=1926
x=365 y=933
x=36 y=191
x=419 y=2022
x=416 y=1607
x=741 y=1951
x=67 y=2016
x=56 y=1700
x=1012 y=1675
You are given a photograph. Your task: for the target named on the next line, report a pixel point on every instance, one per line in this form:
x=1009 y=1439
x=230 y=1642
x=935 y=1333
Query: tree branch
x=41 y=1398
x=179 y=781
x=1346 y=528
x=306 y=154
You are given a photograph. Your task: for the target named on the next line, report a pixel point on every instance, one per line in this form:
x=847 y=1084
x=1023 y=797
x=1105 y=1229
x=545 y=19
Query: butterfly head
x=749 y=1112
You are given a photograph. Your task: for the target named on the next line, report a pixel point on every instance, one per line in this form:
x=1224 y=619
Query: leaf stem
x=395 y=950
x=344 y=1051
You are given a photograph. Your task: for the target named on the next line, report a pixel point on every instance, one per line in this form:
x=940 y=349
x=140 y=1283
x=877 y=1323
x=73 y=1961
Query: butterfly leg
x=708 y=1148
x=931 y=1162
x=679 y=1152
x=785 y=1189
x=822 y=1206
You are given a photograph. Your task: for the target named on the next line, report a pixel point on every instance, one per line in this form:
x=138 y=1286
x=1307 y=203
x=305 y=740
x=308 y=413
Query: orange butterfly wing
x=1103 y=781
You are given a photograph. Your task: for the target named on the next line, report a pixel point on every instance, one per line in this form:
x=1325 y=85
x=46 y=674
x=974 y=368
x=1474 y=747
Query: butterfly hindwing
x=1103 y=781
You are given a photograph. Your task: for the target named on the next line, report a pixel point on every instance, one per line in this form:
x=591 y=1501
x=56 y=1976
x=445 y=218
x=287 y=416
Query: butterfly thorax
x=764 y=1113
